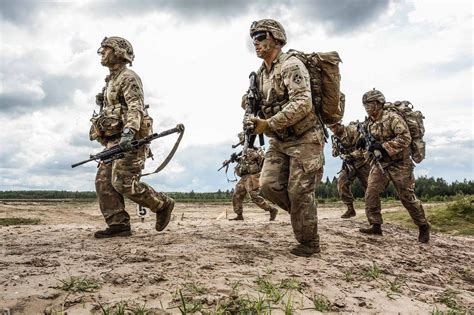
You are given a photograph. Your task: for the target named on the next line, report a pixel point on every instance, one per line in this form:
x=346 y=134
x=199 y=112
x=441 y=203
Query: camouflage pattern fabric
x=248 y=184
x=248 y=168
x=391 y=130
x=345 y=181
x=250 y=162
x=348 y=136
x=286 y=94
x=294 y=159
x=288 y=179
x=125 y=107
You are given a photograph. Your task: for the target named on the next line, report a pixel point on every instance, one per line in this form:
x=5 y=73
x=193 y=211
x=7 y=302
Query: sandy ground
x=213 y=261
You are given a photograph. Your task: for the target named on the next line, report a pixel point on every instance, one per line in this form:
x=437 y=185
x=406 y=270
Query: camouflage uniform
x=358 y=163
x=122 y=106
x=248 y=168
x=392 y=132
x=294 y=157
x=392 y=137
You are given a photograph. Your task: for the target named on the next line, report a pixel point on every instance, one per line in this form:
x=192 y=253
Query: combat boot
x=350 y=212
x=113 y=231
x=239 y=217
x=375 y=229
x=424 y=235
x=306 y=249
x=273 y=214
x=163 y=216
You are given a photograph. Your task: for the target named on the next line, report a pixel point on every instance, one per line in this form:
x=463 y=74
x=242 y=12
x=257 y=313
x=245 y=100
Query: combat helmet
x=122 y=47
x=373 y=95
x=269 y=25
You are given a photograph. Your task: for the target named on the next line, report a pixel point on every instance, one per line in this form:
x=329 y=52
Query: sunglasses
x=259 y=36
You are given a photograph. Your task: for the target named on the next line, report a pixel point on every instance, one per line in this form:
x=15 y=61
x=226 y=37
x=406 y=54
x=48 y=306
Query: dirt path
x=213 y=261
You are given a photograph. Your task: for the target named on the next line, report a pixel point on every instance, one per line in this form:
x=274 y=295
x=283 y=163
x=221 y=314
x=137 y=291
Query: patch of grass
x=272 y=291
x=139 y=309
x=123 y=308
x=195 y=288
x=436 y=311
x=456 y=217
x=79 y=284
x=289 y=306
x=236 y=286
x=321 y=303
x=448 y=298
x=348 y=277
x=18 y=221
x=244 y=304
x=117 y=309
x=291 y=284
x=396 y=284
x=373 y=272
x=188 y=307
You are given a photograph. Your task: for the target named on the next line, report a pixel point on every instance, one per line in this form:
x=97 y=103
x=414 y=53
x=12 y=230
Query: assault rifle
x=252 y=110
x=370 y=140
x=233 y=158
x=344 y=154
x=116 y=152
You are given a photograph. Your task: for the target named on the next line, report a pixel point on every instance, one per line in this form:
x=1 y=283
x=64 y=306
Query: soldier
x=294 y=157
x=392 y=141
x=248 y=168
x=354 y=165
x=123 y=117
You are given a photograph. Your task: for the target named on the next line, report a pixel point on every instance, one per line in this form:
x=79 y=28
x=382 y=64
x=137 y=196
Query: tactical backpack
x=414 y=120
x=328 y=100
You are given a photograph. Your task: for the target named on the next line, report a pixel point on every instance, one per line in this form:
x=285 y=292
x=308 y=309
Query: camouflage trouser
x=401 y=175
x=121 y=178
x=248 y=183
x=288 y=179
x=346 y=178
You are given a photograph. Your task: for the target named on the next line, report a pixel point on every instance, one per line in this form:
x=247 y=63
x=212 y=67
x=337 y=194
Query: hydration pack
x=414 y=120
x=328 y=101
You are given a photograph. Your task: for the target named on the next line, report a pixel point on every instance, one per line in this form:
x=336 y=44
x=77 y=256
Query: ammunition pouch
x=418 y=150
x=253 y=168
x=238 y=171
x=269 y=109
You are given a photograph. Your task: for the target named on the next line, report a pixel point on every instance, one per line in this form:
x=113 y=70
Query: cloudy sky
x=194 y=58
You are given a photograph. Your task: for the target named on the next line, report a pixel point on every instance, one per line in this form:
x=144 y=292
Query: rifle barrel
x=80 y=163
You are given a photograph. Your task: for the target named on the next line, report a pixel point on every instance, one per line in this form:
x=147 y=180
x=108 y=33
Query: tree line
x=425 y=188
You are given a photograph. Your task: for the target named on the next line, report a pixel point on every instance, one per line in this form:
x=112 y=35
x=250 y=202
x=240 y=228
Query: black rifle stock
x=116 y=152
x=252 y=111
x=233 y=159
x=369 y=140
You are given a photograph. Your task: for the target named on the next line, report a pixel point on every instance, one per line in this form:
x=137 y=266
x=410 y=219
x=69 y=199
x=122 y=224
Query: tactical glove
x=376 y=146
x=233 y=157
x=248 y=123
x=126 y=140
x=261 y=125
x=361 y=144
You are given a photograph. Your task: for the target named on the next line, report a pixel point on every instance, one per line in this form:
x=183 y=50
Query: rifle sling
x=169 y=157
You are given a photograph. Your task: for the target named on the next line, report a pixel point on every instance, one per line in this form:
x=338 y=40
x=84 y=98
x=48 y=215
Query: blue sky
x=194 y=58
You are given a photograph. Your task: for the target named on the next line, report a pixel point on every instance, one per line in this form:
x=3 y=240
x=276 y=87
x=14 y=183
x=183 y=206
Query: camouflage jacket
x=250 y=163
x=122 y=107
x=286 y=98
x=391 y=130
x=348 y=136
